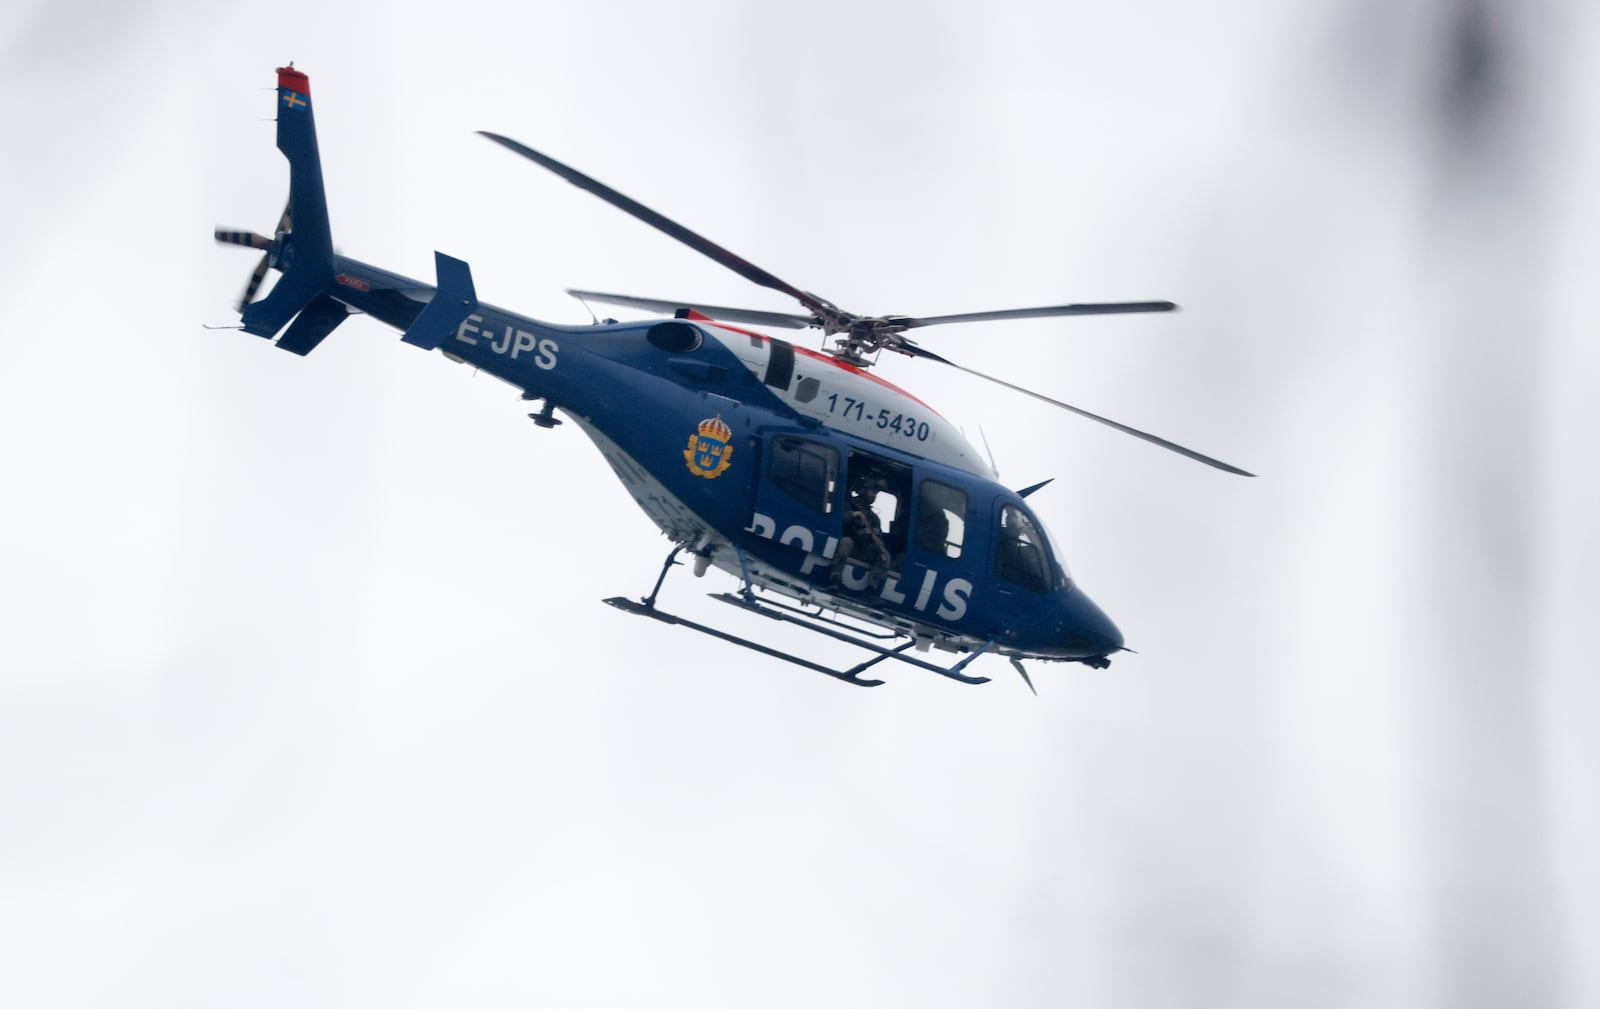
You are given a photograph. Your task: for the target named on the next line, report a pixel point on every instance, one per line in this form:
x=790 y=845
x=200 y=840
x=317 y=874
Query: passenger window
x=941 y=519
x=1020 y=555
x=887 y=507
x=806 y=471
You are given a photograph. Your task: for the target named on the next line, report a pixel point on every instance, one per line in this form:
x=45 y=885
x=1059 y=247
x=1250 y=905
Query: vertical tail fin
x=304 y=251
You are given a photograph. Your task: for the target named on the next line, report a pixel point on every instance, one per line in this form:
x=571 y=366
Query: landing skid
x=646 y=607
x=897 y=653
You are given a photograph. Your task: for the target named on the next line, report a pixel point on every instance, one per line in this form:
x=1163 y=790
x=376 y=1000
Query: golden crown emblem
x=709 y=454
x=715 y=429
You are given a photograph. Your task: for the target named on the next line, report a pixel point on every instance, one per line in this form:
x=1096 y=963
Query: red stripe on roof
x=731 y=329
x=830 y=359
x=864 y=373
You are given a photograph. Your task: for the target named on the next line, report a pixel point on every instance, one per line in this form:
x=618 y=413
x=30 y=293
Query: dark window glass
x=941 y=519
x=805 y=471
x=1019 y=551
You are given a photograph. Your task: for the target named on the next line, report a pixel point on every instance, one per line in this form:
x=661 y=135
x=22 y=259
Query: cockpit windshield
x=1022 y=554
x=1053 y=550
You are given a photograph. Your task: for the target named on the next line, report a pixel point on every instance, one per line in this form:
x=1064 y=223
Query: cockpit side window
x=1020 y=556
x=806 y=471
x=941 y=519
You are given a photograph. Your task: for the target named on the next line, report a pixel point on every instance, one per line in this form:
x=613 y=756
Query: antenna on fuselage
x=988 y=450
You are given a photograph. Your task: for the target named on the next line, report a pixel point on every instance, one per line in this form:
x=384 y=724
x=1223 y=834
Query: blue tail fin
x=305 y=253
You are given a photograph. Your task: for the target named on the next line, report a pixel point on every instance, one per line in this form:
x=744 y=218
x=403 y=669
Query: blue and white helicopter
x=842 y=504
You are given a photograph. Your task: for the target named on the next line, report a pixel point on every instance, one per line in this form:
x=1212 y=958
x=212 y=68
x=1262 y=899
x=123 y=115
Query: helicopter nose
x=1089 y=632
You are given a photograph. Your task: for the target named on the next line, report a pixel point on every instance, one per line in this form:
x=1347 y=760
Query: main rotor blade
x=1098 y=308
x=750 y=315
x=917 y=351
x=699 y=243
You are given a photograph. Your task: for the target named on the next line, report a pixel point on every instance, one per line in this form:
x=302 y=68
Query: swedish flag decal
x=294 y=89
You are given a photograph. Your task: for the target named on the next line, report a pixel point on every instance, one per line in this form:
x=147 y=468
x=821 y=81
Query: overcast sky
x=306 y=692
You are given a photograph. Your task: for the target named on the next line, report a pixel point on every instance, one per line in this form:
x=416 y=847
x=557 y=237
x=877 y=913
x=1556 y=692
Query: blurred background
x=306 y=692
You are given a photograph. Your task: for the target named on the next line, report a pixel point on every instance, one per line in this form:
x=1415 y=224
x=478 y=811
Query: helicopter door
x=797 y=497
x=937 y=551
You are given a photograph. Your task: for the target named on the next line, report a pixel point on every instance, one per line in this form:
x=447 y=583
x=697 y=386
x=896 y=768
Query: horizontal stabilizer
x=451 y=304
x=315 y=322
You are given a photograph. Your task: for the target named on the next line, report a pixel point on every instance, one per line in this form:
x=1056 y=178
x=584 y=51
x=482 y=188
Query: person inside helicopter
x=1020 y=556
x=864 y=541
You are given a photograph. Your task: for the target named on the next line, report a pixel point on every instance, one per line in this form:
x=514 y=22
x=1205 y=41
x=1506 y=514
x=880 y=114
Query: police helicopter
x=842 y=503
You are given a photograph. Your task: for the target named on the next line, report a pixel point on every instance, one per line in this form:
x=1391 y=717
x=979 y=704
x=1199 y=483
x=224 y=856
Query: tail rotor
x=250 y=240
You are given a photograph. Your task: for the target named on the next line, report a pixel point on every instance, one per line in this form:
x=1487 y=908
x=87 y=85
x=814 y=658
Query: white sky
x=306 y=692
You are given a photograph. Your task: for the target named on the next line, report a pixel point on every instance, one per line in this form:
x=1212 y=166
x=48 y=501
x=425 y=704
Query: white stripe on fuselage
x=851 y=400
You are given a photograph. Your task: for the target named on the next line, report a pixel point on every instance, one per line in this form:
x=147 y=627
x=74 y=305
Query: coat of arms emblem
x=709 y=454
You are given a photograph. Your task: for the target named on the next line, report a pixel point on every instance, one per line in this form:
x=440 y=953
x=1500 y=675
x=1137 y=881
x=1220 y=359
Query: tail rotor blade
x=251 y=240
x=254 y=283
x=248 y=239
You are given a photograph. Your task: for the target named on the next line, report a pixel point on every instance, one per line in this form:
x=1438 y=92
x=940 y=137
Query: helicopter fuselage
x=749 y=452
x=800 y=473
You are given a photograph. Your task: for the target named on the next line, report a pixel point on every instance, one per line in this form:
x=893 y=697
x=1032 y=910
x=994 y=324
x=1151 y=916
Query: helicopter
x=842 y=503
